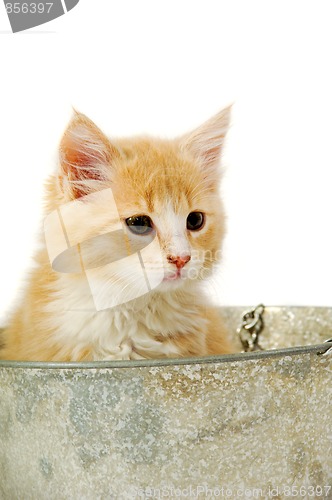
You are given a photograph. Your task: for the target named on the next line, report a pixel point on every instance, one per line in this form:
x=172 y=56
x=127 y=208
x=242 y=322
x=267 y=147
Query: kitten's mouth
x=173 y=276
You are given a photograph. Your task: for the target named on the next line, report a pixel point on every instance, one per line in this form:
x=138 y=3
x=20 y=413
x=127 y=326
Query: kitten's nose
x=178 y=261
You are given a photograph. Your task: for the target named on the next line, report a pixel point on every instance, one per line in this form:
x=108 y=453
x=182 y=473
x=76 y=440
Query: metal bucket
x=253 y=425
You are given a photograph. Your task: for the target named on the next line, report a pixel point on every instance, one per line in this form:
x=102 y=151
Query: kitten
x=132 y=228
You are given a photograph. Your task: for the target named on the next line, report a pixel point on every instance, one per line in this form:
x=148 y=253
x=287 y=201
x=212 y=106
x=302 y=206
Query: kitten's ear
x=85 y=157
x=206 y=142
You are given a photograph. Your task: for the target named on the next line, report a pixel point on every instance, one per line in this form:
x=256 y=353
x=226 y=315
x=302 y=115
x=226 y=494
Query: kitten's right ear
x=85 y=157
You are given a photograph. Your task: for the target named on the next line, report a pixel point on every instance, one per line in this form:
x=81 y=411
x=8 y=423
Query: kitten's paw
x=122 y=351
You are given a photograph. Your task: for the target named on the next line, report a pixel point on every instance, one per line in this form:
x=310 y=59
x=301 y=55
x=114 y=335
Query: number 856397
x=29 y=8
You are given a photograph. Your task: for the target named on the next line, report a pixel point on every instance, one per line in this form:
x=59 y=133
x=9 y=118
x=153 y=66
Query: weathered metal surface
x=259 y=422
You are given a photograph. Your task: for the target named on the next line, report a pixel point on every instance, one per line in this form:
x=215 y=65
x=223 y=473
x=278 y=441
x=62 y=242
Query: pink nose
x=178 y=261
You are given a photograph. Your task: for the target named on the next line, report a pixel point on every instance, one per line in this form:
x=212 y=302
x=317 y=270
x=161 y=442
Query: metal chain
x=329 y=349
x=251 y=326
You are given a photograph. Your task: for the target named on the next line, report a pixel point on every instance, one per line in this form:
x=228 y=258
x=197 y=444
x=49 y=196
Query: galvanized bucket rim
x=318 y=349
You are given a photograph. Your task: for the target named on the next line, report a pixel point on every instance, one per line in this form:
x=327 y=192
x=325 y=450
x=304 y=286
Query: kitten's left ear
x=206 y=142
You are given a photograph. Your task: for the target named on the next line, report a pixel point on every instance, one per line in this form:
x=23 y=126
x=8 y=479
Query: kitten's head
x=142 y=204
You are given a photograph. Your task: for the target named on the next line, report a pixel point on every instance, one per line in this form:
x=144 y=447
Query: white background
x=162 y=68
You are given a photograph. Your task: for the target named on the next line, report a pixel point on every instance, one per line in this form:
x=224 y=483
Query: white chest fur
x=130 y=331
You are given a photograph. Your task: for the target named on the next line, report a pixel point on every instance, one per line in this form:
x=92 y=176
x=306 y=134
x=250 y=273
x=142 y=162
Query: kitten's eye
x=140 y=224
x=195 y=221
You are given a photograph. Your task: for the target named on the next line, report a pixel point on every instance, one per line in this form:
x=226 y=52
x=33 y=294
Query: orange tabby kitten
x=132 y=228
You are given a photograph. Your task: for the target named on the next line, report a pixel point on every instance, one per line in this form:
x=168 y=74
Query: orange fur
x=163 y=179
